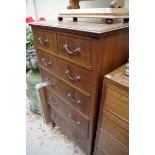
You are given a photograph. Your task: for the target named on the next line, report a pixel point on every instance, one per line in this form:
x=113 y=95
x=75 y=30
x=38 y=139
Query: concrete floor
x=41 y=139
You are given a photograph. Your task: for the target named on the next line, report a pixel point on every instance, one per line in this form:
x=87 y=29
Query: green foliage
x=29 y=38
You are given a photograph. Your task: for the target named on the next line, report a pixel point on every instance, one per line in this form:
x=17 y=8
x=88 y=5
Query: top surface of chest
x=118 y=77
x=88 y=28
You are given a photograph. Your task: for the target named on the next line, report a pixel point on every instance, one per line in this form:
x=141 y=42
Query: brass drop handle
x=46 y=63
x=70 y=77
x=43 y=42
x=53 y=101
x=75 y=122
x=77 y=50
x=69 y=95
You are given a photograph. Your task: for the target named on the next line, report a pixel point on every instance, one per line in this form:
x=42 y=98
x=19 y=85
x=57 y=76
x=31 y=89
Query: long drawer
x=69 y=94
x=44 y=39
x=68 y=129
x=71 y=73
x=115 y=127
x=78 y=121
x=110 y=145
x=75 y=48
x=117 y=103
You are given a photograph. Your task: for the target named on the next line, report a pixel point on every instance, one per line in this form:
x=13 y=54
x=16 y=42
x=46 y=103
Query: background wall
x=51 y=8
x=30 y=11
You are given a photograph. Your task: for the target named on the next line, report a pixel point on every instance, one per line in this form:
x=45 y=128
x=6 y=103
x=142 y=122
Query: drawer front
x=75 y=48
x=44 y=39
x=77 y=120
x=69 y=130
x=69 y=94
x=116 y=128
x=111 y=146
x=117 y=103
x=47 y=61
x=74 y=74
x=71 y=73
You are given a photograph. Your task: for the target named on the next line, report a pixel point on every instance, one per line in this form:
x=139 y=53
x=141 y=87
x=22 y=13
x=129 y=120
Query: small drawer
x=44 y=39
x=77 y=120
x=71 y=73
x=78 y=49
x=117 y=103
x=115 y=128
x=69 y=94
x=46 y=61
x=69 y=130
x=110 y=145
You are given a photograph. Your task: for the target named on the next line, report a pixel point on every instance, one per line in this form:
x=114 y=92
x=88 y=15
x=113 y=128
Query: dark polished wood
x=66 y=70
x=68 y=93
x=92 y=50
x=68 y=129
x=73 y=43
x=113 y=126
x=78 y=121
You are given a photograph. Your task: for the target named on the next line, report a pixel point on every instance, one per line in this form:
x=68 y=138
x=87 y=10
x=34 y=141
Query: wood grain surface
x=103 y=49
x=112 y=137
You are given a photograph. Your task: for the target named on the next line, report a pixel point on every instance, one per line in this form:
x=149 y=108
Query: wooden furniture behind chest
x=74 y=57
x=113 y=126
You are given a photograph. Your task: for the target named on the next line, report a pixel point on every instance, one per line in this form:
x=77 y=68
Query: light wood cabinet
x=113 y=125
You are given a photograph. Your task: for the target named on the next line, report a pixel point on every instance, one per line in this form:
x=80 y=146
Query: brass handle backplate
x=43 y=41
x=70 y=77
x=45 y=63
x=77 y=50
x=69 y=95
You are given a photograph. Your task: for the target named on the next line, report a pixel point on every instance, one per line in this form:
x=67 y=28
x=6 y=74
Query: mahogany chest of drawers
x=74 y=57
x=113 y=126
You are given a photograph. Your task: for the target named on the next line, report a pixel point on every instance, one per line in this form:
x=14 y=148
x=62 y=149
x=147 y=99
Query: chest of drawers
x=74 y=57
x=113 y=126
